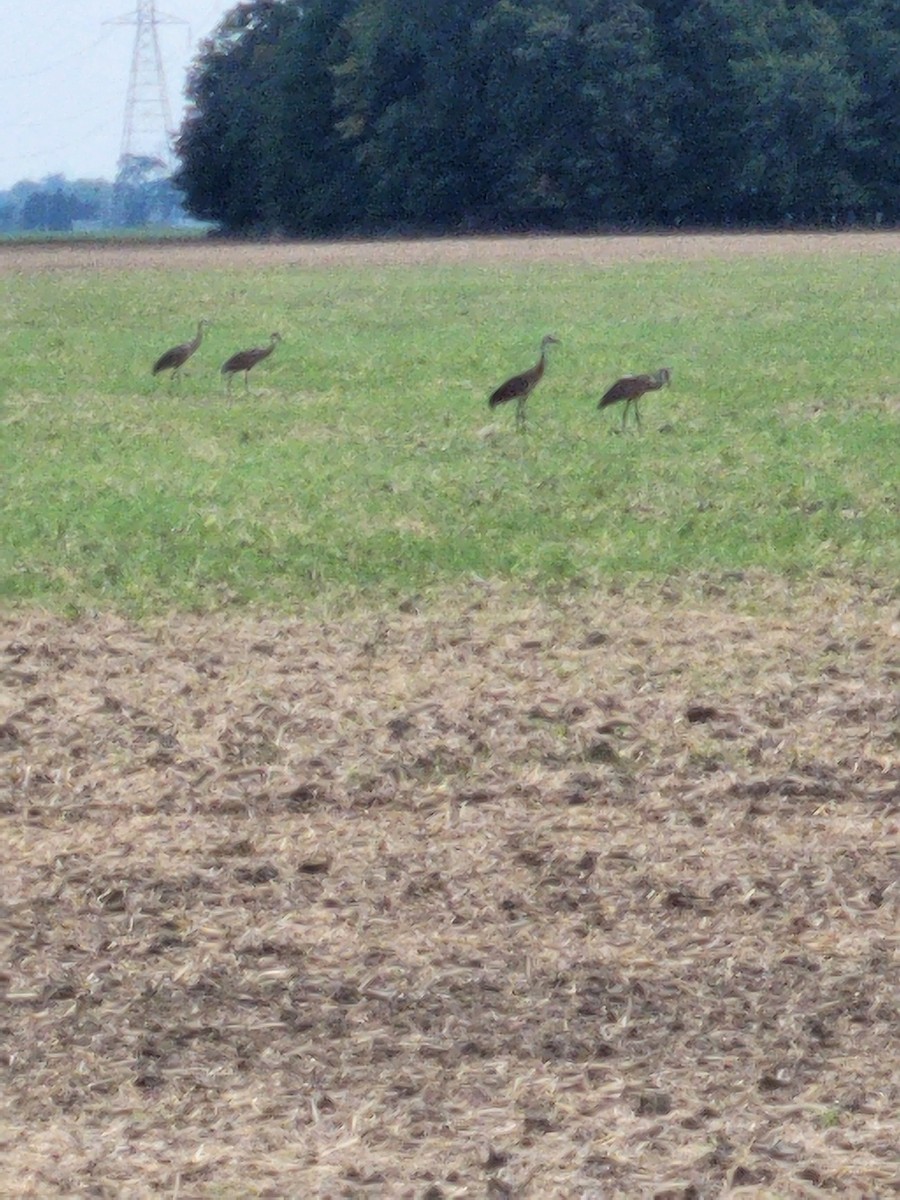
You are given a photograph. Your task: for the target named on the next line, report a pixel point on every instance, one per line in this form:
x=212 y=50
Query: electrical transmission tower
x=147 y=132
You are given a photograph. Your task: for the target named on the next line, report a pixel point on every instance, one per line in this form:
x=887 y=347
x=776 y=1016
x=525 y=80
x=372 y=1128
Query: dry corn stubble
x=489 y=896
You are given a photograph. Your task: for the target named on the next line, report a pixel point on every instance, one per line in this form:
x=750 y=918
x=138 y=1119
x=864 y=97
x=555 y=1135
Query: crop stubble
x=500 y=897
x=202 y=254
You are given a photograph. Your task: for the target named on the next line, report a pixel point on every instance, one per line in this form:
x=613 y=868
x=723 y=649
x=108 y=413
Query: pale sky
x=64 y=80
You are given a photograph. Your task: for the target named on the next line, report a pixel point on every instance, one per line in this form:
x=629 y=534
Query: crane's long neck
x=199 y=338
x=263 y=351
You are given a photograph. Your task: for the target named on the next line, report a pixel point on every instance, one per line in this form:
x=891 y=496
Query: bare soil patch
x=485 y=896
x=414 y=252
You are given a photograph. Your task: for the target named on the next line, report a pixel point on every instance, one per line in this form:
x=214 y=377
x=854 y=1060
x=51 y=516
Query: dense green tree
x=871 y=30
x=410 y=106
x=230 y=140
x=312 y=183
x=358 y=115
x=701 y=44
x=798 y=103
x=503 y=114
x=606 y=143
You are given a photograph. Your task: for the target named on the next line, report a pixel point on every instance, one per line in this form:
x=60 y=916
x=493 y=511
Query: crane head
x=549 y=340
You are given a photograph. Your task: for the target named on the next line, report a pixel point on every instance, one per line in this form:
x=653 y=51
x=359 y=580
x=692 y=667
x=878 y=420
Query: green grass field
x=365 y=459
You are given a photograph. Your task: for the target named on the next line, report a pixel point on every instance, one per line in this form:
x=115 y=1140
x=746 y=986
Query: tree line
x=358 y=116
x=138 y=197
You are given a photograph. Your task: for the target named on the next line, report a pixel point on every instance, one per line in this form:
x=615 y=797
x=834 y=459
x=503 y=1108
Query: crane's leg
x=625 y=414
x=637 y=413
x=520 y=416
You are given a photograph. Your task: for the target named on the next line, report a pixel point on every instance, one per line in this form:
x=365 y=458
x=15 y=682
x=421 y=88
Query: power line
x=60 y=62
x=48 y=122
x=68 y=144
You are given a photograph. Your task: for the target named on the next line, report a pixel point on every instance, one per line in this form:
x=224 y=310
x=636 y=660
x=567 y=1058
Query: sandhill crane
x=520 y=387
x=246 y=360
x=175 y=358
x=630 y=388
